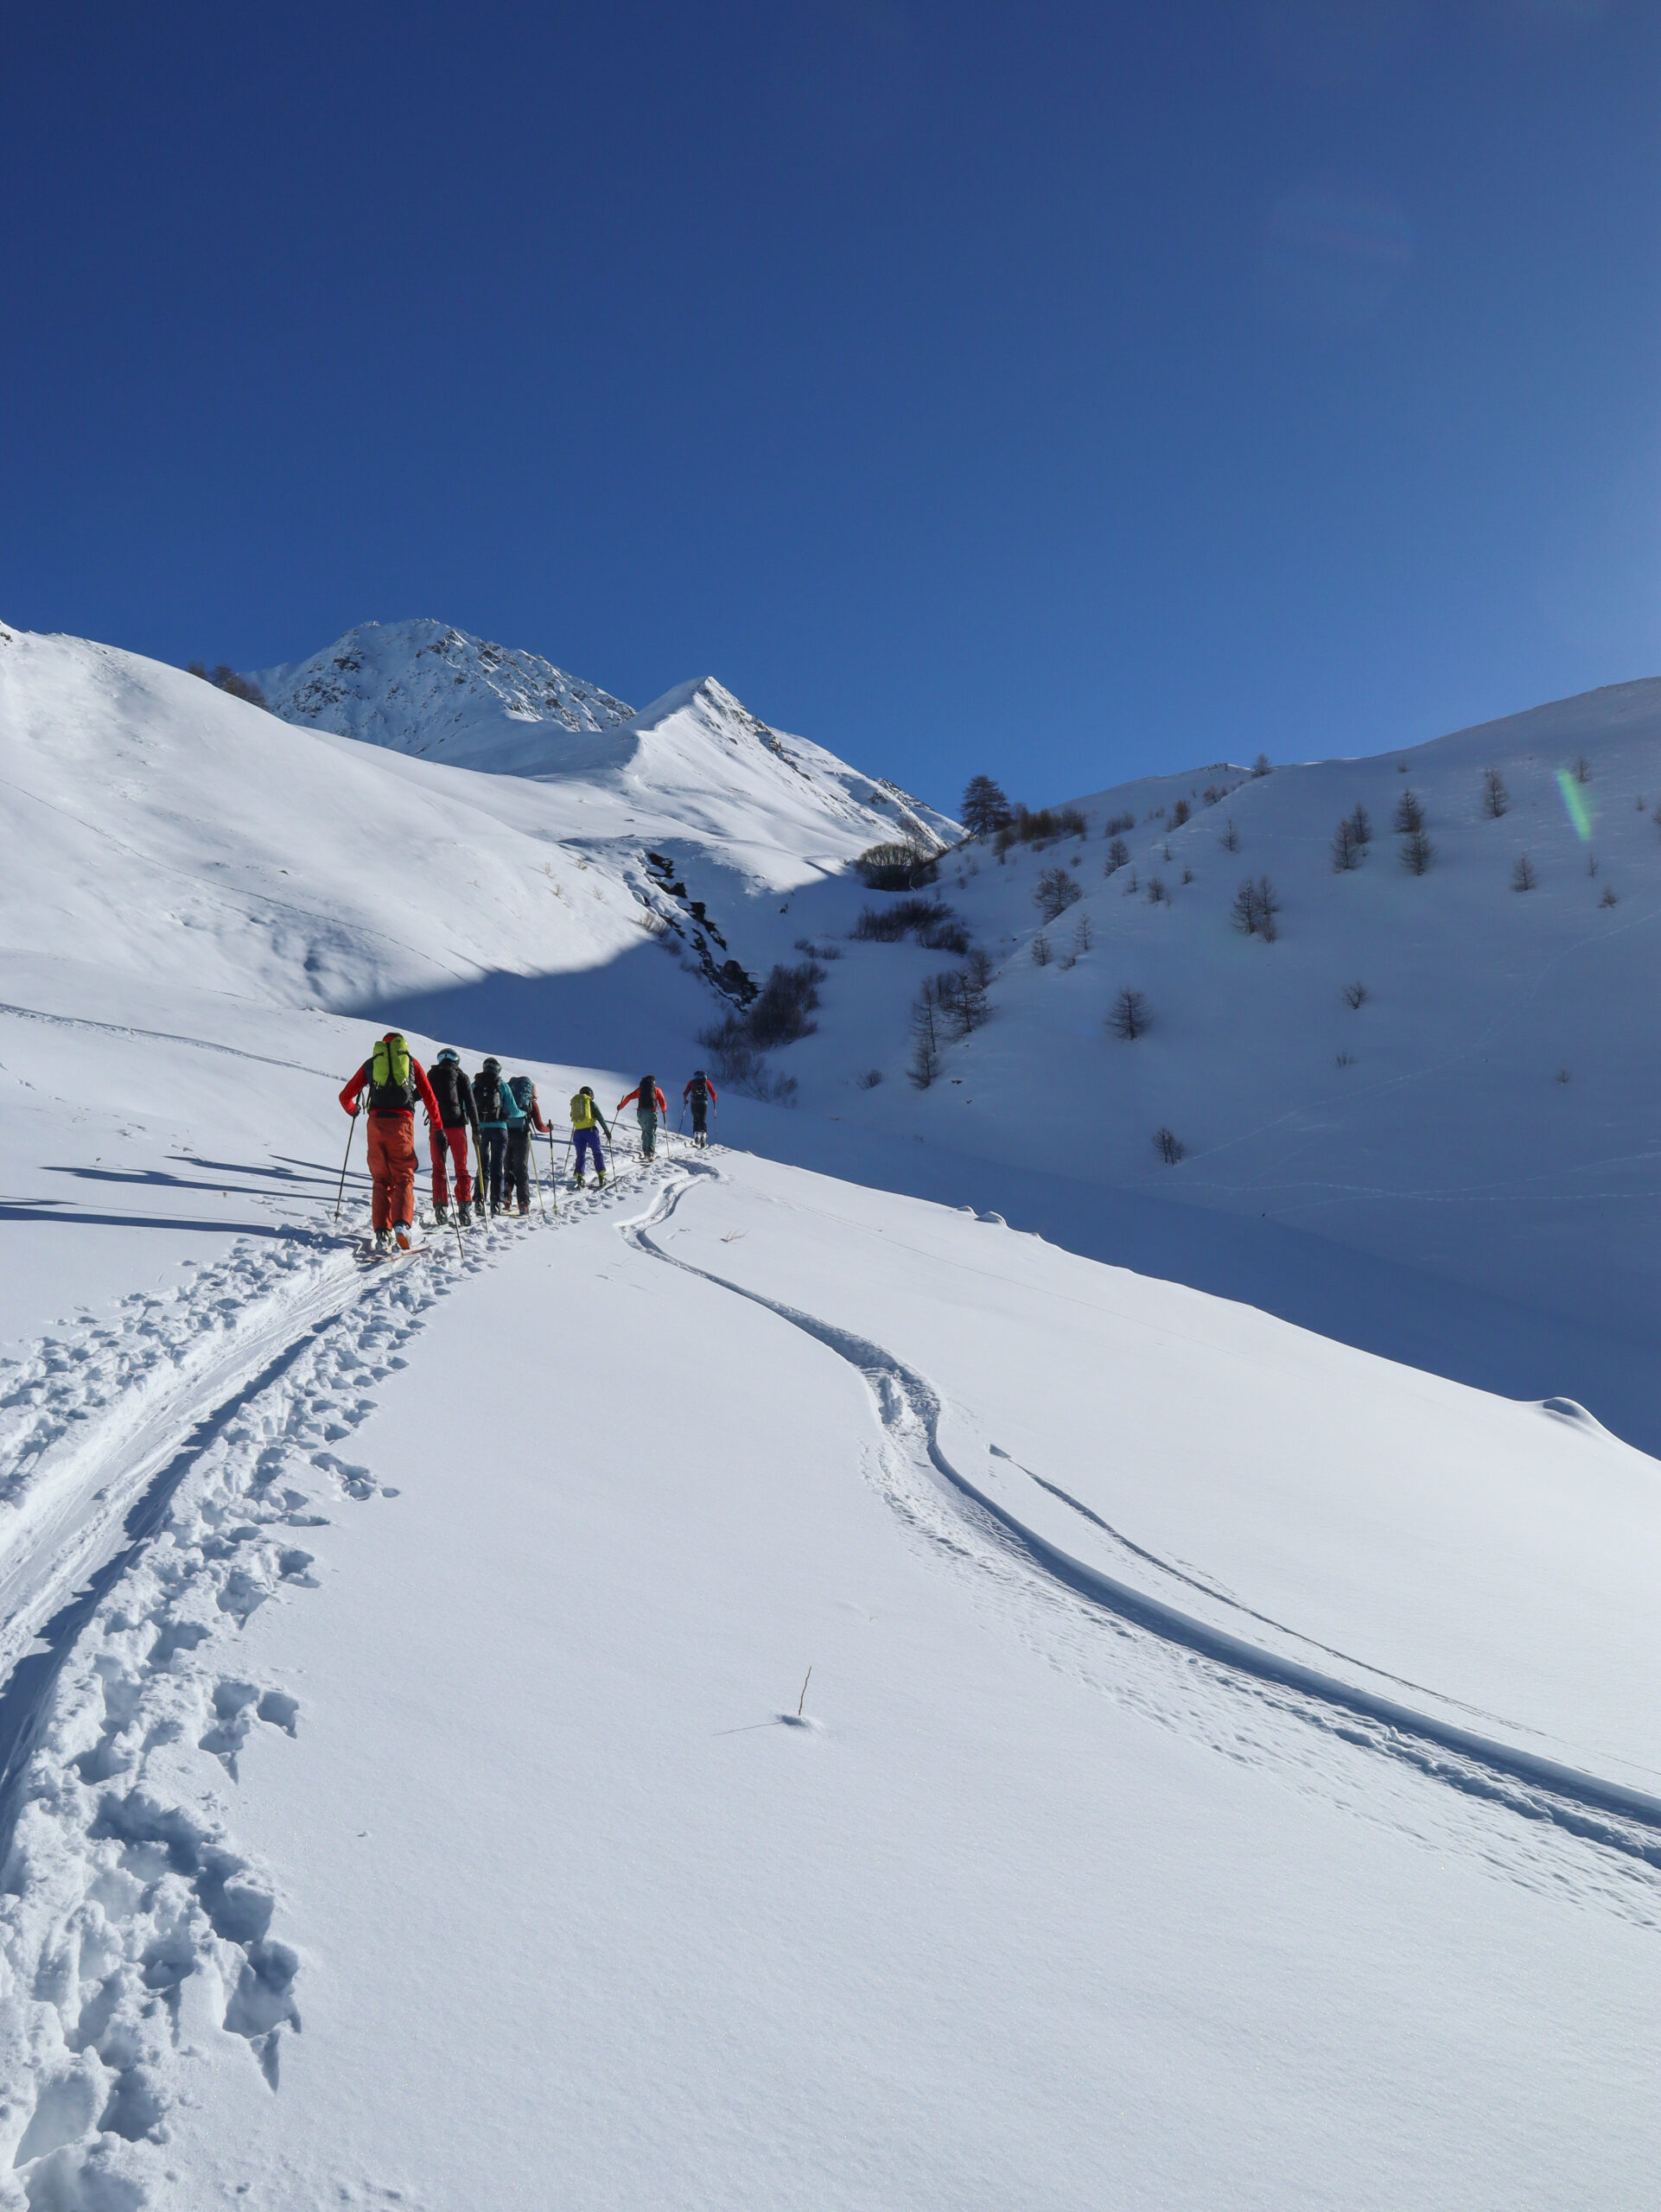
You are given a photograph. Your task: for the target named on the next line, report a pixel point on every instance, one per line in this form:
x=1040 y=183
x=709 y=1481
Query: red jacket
x=707 y=1085
x=417 y=1076
x=662 y=1106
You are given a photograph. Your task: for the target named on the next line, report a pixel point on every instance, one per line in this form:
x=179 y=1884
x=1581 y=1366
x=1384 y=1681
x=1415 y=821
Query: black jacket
x=455 y=1094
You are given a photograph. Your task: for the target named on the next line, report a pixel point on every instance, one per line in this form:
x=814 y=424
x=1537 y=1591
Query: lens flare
x=1574 y=806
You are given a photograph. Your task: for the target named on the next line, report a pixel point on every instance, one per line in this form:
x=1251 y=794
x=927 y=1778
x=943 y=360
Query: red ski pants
x=455 y=1142
x=392 y=1163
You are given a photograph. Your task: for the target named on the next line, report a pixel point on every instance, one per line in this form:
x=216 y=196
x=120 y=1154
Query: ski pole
x=351 y=1128
x=552 y=1186
x=531 y=1147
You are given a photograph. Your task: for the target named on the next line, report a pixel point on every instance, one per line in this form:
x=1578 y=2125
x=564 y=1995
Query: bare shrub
x=1355 y=994
x=1187 y=875
x=1055 y=892
x=1130 y=1014
x=1349 y=852
x=1179 y=813
x=226 y=679
x=1041 y=952
x=869 y=1079
x=1130 y=889
x=1119 y=853
x=1082 y=934
x=1345 y=1060
x=1228 y=836
x=1157 y=894
x=945 y=935
x=1361 y=823
x=1608 y=897
x=1169 y=1145
x=780 y=1015
x=741 y=1065
x=1118 y=823
x=1495 y=797
x=900 y=865
x=1042 y=827
x=888 y=924
x=1523 y=875
x=1582 y=770
x=1418 y=853
x=1255 y=909
x=1260 y=766
x=1409 y=817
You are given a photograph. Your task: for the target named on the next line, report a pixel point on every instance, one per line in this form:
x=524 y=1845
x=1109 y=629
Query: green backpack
x=389 y=1065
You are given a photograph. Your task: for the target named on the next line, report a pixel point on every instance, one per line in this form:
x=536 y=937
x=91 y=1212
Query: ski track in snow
x=1045 y=1588
x=166 y=1467
x=159 y=1472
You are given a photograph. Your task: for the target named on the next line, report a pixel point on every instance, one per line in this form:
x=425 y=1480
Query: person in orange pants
x=394 y=1079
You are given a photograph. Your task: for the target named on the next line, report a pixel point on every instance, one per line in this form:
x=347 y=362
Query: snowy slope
x=1229 y=1772
x=1487 y=1115
x=462 y=1727
x=172 y=830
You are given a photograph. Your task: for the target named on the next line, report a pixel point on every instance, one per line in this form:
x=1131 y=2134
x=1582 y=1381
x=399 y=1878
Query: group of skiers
x=501 y=1112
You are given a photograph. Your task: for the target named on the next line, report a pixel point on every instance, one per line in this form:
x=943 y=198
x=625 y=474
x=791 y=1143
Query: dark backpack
x=488 y=1097
x=648 y=1095
x=698 y=1091
x=453 y=1091
x=520 y=1090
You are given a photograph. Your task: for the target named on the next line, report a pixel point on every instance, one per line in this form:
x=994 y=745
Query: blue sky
x=1067 y=391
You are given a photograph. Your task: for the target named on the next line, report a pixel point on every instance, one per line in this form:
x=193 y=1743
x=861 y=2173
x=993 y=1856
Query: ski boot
x=441 y=1216
x=383 y=1241
x=600 y=1180
x=464 y=1216
x=403 y=1235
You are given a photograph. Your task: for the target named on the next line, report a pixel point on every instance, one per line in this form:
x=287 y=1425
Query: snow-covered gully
x=908 y=1408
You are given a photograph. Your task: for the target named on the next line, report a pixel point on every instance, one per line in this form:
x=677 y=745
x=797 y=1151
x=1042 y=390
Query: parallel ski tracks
x=71 y=1517
x=908 y=1410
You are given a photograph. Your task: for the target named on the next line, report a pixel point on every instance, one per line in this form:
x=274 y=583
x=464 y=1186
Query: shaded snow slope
x=1486 y=1113
x=174 y=832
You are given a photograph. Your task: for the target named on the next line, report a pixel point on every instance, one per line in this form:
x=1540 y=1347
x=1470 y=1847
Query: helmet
x=586 y=1091
x=492 y=1067
x=696 y=1072
x=450 y=1052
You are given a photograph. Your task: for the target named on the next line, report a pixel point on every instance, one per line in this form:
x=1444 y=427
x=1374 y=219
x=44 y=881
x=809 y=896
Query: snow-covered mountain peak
x=427 y=688
x=702 y=722
x=697 y=754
